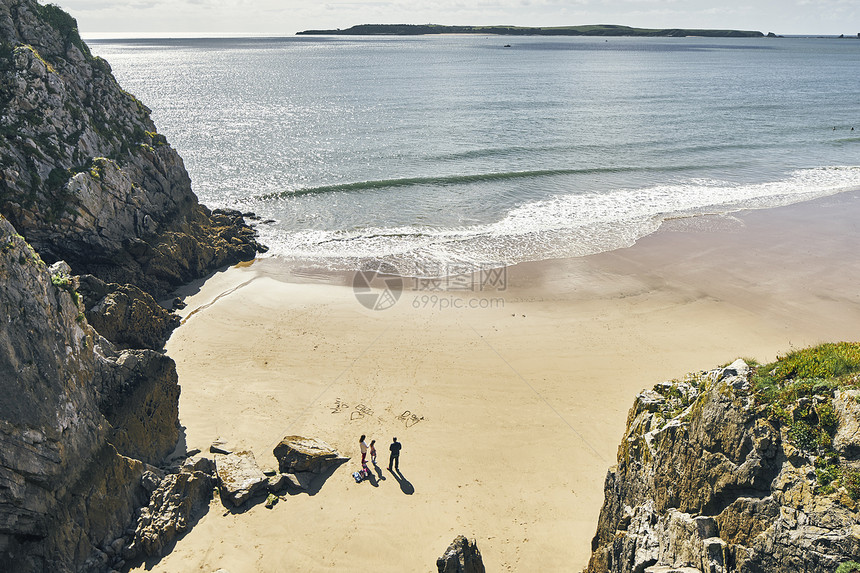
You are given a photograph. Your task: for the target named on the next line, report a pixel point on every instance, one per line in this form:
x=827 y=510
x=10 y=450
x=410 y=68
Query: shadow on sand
x=319 y=480
x=373 y=479
x=380 y=476
x=314 y=488
x=405 y=485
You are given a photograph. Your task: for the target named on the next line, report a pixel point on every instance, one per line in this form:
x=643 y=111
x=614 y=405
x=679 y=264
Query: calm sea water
x=433 y=151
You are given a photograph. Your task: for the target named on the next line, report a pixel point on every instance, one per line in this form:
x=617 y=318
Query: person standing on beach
x=363 y=445
x=394 y=459
x=373 y=452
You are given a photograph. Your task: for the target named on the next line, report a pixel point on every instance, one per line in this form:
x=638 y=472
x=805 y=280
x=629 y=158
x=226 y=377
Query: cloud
x=289 y=16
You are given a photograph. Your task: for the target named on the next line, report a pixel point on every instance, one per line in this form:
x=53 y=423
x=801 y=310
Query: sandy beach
x=509 y=407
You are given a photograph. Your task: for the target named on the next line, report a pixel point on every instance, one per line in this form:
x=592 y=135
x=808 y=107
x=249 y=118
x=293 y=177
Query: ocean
x=442 y=152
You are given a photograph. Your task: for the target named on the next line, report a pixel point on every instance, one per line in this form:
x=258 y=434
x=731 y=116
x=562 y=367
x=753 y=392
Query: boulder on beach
x=239 y=477
x=299 y=454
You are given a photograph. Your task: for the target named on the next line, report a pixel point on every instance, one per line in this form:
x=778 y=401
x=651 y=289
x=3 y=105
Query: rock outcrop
x=126 y=315
x=846 y=440
x=462 y=556
x=175 y=503
x=733 y=470
x=84 y=175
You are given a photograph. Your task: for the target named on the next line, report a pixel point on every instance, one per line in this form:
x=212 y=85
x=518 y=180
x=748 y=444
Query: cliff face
x=84 y=176
x=732 y=470
x=84 y=420
x=79 y=421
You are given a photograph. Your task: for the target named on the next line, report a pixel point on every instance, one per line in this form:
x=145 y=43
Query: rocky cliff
x=739 y=469
x=87 y=414
x=79 y=421
x=84 y=175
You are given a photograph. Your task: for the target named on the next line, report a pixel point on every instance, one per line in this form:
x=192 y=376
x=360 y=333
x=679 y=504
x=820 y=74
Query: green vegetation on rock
x=827 y=361
x=797 y=392
x=851 y=482
x=65 y=24
x=98 y=167
x=65 y=282
x=797 y=389
x=38 y=56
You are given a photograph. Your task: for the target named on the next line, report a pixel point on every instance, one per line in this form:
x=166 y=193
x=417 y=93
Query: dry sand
x=518 y=409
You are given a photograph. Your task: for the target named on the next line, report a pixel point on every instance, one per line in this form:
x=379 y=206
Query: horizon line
x=86 y=36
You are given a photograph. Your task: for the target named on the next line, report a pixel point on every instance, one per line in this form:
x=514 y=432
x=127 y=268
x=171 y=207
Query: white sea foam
x=563 y=226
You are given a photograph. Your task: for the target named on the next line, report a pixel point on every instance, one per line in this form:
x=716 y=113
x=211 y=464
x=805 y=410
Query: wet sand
x=510 y=408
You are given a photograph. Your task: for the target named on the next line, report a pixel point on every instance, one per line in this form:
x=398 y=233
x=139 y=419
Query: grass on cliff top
x=797 y=392
x=787 y=386
x=807 y=372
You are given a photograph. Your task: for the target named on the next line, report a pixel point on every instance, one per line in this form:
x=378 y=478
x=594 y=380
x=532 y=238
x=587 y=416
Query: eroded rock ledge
x=739 y=469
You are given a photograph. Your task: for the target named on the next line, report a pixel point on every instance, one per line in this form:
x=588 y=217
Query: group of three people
x=393 y=459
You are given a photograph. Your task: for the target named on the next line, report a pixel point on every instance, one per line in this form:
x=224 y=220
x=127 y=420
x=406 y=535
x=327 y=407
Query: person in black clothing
x=394 y=458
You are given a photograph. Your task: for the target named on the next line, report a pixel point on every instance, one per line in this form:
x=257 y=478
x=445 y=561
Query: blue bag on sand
x=357 y=477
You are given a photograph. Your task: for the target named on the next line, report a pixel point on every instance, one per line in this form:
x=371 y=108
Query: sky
x=285 y=17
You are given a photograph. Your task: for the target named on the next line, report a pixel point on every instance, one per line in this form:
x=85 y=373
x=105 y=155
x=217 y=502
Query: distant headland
x=590 y=30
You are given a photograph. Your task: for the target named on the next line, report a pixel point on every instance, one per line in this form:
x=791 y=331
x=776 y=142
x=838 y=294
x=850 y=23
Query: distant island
x=591 y=30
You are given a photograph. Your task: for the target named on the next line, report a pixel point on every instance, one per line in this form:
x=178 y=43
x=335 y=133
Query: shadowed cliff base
x=80 y=422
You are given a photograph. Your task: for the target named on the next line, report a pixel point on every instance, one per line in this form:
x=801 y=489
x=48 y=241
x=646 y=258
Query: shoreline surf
x=594 y=238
